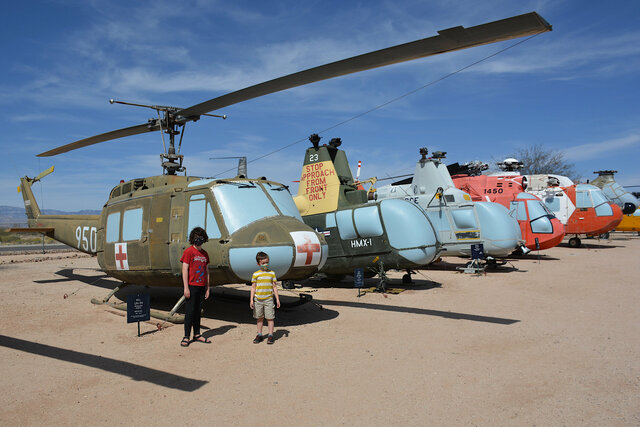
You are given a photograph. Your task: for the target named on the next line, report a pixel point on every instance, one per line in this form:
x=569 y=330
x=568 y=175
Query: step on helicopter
x=458 y=220
x=143 y=227
x=539 y=226
x=582 y=208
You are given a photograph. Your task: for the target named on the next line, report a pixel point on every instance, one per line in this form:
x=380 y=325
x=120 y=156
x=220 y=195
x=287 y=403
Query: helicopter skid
x=156 y=314
x=170 y=316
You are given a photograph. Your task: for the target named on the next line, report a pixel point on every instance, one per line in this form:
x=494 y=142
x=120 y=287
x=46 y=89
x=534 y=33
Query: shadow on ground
x=507 y=267
x=120 y=367
x=422 y=311
x=347 y=283
x=226 y=304
x=591 y=244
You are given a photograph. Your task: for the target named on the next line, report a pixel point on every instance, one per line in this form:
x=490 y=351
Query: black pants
x=192 y=312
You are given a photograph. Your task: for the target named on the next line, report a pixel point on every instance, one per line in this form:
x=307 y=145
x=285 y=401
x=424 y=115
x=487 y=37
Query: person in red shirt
x=195 y=277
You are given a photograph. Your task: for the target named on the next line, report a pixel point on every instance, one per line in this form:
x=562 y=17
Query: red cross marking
x=121 y=256
x=309 y=248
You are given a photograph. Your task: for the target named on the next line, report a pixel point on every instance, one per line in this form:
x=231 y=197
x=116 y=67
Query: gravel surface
x=553 y=341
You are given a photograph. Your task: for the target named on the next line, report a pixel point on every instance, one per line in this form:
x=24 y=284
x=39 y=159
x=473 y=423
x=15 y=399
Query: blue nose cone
x=409 y=231
x=500 y=232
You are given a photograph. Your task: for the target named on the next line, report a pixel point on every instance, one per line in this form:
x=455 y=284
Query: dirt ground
x=554 y=341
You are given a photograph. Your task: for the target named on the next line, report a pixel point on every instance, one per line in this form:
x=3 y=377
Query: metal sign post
x=477 y=251
x=474 y=266
x=138 y=309
x=358 y=279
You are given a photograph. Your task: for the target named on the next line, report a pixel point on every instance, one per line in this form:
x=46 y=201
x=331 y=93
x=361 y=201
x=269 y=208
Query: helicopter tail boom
x=78 y=231
x=30 y=204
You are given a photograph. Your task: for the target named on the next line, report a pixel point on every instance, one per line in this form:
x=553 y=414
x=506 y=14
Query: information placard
x=477 y=251
x=138 y=308
x=358 y=277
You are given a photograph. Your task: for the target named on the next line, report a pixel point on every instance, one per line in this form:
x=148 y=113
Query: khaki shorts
x=264 y=308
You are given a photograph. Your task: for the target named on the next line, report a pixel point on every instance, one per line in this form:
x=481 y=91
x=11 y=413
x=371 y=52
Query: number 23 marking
x=313 y=157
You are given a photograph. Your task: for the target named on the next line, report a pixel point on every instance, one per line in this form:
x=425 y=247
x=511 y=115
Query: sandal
x=185 y=342
x=200 y=338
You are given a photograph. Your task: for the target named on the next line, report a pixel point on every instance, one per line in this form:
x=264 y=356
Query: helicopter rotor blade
x=448 y=40
x=43 y=174
x=133 y=130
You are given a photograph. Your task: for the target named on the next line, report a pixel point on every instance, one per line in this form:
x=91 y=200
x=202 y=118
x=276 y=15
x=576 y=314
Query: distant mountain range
x=11 y=216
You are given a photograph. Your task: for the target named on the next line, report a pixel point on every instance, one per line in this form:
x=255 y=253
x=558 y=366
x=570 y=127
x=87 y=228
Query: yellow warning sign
x=319 y=186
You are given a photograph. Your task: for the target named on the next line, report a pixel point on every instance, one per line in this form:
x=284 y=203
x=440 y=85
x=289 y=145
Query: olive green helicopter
x=143 y=228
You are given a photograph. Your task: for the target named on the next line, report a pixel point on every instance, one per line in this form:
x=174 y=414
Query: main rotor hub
x=510 y=165
x=601 y=173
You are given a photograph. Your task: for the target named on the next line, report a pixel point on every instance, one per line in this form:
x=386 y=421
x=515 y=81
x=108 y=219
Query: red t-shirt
x=197 y=260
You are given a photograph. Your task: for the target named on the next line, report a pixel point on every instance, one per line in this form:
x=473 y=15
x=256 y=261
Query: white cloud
x=577 y=53
x=597 y=149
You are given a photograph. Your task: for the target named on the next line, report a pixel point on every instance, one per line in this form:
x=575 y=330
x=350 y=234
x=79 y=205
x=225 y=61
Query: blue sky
x=575 y=89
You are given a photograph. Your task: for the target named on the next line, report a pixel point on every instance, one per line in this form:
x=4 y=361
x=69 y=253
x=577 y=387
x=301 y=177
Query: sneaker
x=270 y=339
x=258 y=339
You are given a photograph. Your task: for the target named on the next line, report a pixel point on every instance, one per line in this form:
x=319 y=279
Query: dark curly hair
x=198 y=232
x=261 y=255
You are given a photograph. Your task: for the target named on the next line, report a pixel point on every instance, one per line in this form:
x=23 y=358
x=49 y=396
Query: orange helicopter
x=582 y=208
x=539 y=226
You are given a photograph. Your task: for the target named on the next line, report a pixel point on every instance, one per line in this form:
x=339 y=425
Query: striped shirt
x=264 y=284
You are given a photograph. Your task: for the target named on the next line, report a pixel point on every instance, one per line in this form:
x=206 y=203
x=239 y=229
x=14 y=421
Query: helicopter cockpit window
x=542 y=225
x=617 y=189
x=598 y=198
x=113 y=227
x=553 y=203
x=539 y=217
x=583 y=200
x=536 y=209
x=132 y=224
x=201 y=215
x=603 y=208
x=241 y=204
x=521 y=212
x=282 y=198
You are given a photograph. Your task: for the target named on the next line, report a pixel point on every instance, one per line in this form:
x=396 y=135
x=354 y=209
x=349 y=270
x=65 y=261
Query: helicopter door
x=159 y=236
x=201 y=215
x=178 y=239
x=126 y=236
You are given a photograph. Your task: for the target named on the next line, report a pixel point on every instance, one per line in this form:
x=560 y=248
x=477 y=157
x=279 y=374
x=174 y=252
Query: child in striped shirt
x=263 y=288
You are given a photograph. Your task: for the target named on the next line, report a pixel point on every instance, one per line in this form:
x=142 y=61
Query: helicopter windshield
x=537 y=209
x=598 y=197
x=282 y=198
x=603 y=208
x=242 y=203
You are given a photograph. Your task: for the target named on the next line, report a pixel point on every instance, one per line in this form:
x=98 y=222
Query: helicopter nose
x=409 y=231
x=617 y=215
x=500 y=232
x=295 y=251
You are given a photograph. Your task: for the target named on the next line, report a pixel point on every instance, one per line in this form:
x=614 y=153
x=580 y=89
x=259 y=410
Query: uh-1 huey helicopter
x=143 y=227
x=378 y=236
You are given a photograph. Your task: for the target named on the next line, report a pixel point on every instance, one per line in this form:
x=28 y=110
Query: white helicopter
x=459 y=221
